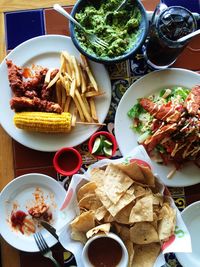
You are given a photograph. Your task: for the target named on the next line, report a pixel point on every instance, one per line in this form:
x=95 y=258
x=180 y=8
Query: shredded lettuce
x=135 y=111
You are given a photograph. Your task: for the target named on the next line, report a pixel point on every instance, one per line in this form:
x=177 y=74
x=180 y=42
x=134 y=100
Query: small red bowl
x=110 y=137
x=67 y=161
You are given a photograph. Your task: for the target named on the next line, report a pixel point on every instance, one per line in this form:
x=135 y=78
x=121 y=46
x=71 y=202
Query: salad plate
x=22 y=192
x=191 y=217
x=45 y=51
x=127 y=139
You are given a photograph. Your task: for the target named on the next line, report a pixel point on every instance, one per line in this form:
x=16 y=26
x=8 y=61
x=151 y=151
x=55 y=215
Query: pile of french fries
x=76 y=88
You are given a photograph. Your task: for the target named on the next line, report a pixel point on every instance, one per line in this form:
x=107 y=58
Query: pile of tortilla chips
x=125 y=199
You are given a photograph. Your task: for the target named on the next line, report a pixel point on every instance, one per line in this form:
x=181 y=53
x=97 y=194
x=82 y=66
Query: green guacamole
x=118 y=29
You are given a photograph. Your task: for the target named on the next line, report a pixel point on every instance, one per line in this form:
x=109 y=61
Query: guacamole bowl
x=125 y=30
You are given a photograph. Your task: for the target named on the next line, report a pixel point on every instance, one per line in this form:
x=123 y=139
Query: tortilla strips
x=137 y=211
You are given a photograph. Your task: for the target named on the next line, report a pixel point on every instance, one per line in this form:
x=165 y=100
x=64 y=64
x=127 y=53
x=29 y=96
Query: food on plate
x=114 y=200
x=43 y=121
x=70 y=89
x=27 y=220
x=20 y=221
x=119 y=29
x=169 y=125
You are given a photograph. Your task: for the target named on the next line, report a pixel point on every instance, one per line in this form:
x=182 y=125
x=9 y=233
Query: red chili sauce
x=68 y=161
x=17 y=219
x=104 y=252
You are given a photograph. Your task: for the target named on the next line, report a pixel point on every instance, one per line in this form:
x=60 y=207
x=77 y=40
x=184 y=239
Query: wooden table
x=10 y=256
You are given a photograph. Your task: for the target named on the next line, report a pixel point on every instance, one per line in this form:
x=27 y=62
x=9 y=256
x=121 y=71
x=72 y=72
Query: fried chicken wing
x=35 y=104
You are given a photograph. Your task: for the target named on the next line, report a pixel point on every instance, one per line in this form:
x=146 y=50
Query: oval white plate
x=20 y=191
x=127 y=139
x=191 y=217
x=45 y=51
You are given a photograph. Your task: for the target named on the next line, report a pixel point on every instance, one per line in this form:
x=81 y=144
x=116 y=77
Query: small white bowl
x=191 y=217
x=124 y=258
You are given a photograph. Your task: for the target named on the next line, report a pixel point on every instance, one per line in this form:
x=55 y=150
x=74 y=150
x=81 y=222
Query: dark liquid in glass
x=162 y=48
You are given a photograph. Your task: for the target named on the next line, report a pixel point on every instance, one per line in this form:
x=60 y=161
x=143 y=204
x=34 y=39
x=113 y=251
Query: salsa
x=104 y=252
x=119 y=29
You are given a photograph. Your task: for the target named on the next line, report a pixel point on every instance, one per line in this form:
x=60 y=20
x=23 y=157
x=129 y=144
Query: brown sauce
x=68 y=161
x=104 y=252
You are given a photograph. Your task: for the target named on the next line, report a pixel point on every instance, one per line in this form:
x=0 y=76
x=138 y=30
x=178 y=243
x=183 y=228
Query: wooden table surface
x=10 y=256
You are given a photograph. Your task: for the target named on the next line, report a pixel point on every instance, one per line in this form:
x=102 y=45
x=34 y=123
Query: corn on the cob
x=43 y=121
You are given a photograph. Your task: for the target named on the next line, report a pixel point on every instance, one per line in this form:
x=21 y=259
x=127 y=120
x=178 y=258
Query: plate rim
x=24 y=178
x=26 y=139
x=123 y=151
x=190 y=207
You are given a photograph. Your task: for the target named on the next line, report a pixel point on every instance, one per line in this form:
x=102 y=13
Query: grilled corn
x=43 y=121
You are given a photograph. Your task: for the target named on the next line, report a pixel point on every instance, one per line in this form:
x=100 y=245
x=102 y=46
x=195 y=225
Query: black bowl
x=143 y=28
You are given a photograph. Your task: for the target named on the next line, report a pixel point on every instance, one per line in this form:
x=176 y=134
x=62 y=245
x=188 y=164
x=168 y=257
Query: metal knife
x=49 y=228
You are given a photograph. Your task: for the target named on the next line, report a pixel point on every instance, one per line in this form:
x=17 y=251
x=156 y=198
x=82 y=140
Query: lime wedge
x=107 y=151
x=97 y=146
x=107 y=143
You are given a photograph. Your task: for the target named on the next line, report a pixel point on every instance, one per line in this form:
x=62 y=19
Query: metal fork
x=44 y=249
x=91 y=36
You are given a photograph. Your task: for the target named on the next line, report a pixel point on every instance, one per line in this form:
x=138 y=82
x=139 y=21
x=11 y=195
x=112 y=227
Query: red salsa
x=104 y=252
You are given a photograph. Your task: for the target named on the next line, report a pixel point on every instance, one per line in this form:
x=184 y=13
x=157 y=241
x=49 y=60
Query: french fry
x=63 y=68
x=72 y=88
x=83 y=79
x=59 y=92
x=93 y=109
x=93 y=93
x=86 y=103
x=63 y=98
x=76 y=71
x=67 y=104
x=48 y=76
x=83 y=107
x=54 y=80
x=74 y=117
x=89 y=72
x=79 y=109
x=69 y=67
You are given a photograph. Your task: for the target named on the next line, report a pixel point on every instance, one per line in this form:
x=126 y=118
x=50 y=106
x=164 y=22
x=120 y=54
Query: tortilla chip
x=166 y=226
x=78 y=236
x=105 y=228
x=129 y=246
x=115 y=208
x=83 y=222
x=148 y=176
x=124 y=233
x=97 y=176
x=115 y=183
x=123 y=215
x=85 y=189
x=141 y=191
x=100 y=213
x=90 y=202
x=143 y=233
x=133 y=171
x=145 y=255
x=142 y=210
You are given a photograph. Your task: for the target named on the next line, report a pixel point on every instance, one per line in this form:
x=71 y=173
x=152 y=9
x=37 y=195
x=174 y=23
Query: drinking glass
x=168 y=24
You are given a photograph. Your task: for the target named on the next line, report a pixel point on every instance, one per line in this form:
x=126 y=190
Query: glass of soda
x=168 y=24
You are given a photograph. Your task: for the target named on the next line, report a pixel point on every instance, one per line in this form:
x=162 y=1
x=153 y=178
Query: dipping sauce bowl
x=67 y=161
x=106 y=250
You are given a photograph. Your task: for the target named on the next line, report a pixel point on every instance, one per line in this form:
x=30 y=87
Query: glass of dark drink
x=168 y=24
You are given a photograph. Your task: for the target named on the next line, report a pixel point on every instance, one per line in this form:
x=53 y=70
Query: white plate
x=20 y=191
x=191 y=217
x=45 y=51
x=127 y=139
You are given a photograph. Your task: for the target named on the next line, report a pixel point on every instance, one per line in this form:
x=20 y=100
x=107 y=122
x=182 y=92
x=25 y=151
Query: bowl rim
x=120 y=58
x=108 y=135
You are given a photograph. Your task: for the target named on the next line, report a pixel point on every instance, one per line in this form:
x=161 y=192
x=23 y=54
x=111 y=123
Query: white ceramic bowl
x=191 y=217
x=124 y=259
